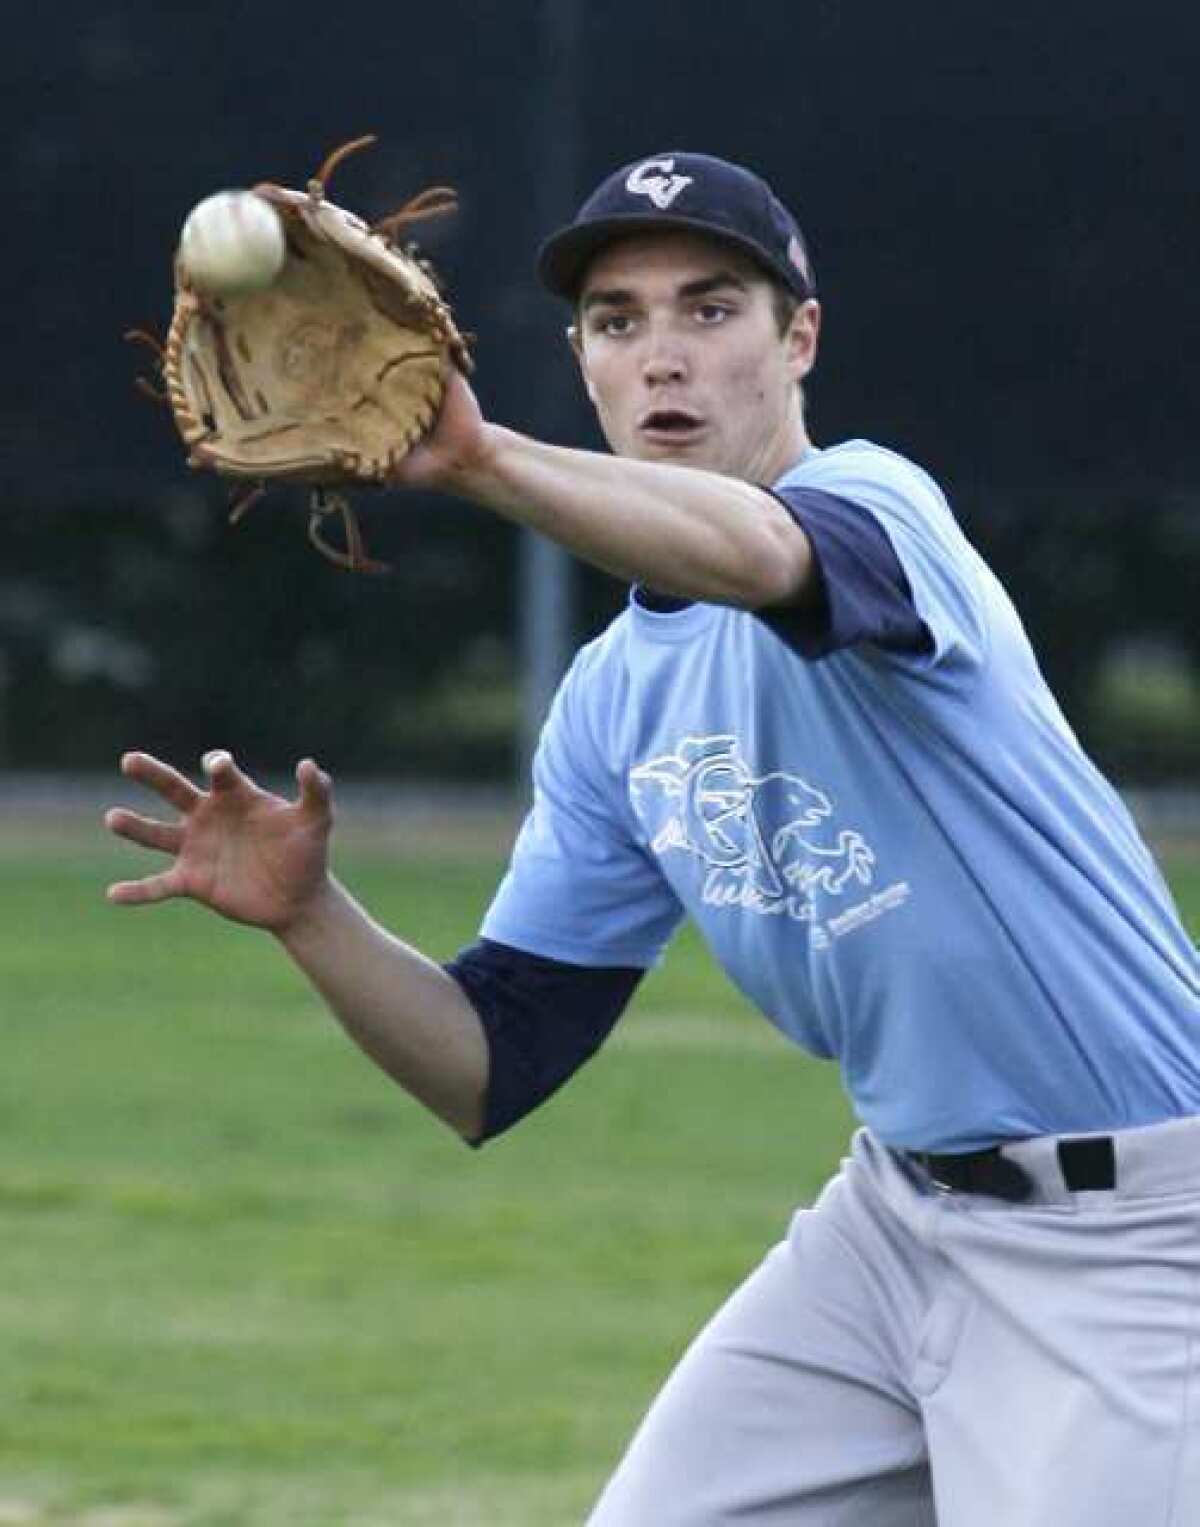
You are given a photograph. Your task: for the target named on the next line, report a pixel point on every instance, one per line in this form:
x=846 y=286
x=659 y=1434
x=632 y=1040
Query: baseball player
x=818 y=729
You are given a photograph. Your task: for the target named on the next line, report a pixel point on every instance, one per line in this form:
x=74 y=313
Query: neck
x=785 y=450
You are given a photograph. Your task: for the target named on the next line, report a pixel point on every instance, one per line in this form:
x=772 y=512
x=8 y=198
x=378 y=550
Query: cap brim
x=563 y=259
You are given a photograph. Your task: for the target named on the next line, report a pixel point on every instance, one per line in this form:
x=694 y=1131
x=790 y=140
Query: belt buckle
x=988 y=1172
x=925 y=1160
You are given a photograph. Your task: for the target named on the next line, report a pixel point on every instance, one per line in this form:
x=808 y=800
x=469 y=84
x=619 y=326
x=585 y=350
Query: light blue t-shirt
x=905 y=861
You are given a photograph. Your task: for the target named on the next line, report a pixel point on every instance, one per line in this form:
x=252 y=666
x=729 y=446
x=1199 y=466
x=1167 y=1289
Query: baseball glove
x=330 y=374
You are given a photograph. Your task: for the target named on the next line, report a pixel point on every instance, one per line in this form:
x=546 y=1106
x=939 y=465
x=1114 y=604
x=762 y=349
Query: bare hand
x=249 y=855
x=453 y=447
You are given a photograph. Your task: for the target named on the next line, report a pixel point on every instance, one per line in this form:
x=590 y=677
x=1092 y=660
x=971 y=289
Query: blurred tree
x=1002 y=207
x=1095 y=572
x=155 y=625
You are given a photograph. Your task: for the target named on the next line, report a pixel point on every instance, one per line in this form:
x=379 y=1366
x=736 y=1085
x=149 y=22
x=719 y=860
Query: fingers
x=140 y=893
x=221 y=771
x=175 y=788
x=147 y=832
x=162 y=778
x=316 y=789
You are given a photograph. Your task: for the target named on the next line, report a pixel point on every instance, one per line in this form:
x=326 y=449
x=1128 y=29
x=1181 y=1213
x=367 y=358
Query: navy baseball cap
x=693 y=192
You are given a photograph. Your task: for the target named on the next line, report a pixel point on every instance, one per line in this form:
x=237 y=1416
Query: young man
x=819 y=730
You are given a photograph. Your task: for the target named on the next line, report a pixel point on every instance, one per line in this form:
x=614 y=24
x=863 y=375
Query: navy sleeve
x=543 y=1018
x=862 y=596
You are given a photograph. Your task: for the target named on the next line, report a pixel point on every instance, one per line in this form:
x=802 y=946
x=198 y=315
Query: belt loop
x=1038 y=1154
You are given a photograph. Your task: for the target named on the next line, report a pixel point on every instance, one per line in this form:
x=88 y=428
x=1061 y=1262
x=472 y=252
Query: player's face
x=682 y=356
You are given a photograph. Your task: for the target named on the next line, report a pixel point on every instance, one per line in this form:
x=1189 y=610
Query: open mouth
x=670 y=424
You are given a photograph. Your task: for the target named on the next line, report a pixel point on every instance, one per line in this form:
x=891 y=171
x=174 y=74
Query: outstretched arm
x=259 y=859
x=678 y=529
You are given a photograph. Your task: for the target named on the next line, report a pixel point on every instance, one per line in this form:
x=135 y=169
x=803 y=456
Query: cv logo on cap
x=656 y=179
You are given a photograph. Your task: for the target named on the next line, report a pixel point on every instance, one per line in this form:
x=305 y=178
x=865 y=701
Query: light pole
x=544 y=581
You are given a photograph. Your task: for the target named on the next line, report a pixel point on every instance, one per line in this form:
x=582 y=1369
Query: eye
x=711 y=313
x=613 y=325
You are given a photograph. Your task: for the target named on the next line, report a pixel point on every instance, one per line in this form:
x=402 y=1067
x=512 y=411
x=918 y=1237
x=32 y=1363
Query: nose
x=661 y=370
x=664 y=360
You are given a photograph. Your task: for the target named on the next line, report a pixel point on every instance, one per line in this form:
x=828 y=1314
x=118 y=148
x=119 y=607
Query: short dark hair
x=784 y=303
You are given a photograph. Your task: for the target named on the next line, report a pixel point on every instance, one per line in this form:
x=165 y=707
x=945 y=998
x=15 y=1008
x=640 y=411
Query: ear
x=801 y=338
x=575 y=340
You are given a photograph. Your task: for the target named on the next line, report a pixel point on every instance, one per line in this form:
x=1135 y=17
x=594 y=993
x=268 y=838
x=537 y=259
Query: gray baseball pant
x=909 y=1356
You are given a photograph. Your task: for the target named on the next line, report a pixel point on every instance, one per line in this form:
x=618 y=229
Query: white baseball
x=232 y=242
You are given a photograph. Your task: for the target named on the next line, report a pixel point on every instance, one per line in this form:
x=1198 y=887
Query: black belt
x=1087 y=1164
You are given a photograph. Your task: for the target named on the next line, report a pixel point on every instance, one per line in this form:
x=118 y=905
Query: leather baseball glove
x=330 y=374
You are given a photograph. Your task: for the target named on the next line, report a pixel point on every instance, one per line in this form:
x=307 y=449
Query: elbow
x=468 y=1119
x=777 y=569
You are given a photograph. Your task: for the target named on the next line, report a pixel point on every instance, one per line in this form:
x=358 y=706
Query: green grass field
x=246 y=1281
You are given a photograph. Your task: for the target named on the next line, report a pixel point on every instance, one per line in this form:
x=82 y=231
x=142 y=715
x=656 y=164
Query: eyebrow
x=617 y=295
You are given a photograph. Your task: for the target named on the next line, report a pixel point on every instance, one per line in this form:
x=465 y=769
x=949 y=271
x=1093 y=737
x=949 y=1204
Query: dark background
x=1002 y=207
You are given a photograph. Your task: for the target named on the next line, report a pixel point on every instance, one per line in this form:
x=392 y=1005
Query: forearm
x=678 y=529
x=399 y=1007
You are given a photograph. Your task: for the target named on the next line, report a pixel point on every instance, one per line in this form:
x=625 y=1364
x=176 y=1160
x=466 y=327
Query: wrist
x=313 y=919
x=476 y=474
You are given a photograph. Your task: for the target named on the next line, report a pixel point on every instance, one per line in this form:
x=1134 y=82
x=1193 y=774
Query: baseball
x=232 y=242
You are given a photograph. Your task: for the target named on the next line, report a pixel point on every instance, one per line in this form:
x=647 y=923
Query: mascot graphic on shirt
x=767 y=839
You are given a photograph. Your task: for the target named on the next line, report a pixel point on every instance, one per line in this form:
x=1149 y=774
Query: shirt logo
x=768 y=841
x=656 y=179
